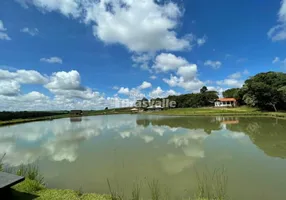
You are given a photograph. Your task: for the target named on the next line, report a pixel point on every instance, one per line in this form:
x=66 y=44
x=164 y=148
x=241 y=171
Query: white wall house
x=225 y=102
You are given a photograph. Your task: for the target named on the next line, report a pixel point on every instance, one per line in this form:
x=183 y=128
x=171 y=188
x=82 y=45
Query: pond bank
x=240 y=111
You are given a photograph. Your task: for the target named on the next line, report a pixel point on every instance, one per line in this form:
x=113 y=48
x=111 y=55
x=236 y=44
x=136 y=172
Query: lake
x=175 y=151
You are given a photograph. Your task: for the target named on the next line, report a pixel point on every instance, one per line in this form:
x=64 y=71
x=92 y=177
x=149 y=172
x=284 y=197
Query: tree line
x=5 y=115
x=266 y=91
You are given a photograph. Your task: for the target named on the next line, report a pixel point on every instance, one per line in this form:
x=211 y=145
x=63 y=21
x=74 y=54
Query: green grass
x=210 y=111
x=211 y=186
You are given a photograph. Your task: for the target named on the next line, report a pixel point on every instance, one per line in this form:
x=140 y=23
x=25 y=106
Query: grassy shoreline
x=239 y=111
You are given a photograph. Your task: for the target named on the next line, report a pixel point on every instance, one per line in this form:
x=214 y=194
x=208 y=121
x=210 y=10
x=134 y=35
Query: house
x=134 y=110
x=76 y=112
x=225 y=102
x=155 y=108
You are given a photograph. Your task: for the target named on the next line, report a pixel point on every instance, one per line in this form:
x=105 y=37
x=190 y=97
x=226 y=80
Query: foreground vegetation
x=211 y=186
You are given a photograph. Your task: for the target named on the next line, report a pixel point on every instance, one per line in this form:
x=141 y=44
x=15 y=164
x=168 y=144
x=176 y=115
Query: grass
x=32 y=189
x=210 y=111
x=212 y=185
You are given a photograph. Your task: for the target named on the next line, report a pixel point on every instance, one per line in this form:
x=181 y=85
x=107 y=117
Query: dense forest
x=266 y=91
x=4 y=116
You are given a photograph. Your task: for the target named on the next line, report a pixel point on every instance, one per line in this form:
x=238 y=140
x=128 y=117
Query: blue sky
x=65 y=54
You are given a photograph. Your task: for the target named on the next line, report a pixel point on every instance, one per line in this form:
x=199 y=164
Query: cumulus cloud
x=145 y=85
x=234 y=80
x=23 y=76
x=186 y=73
x=52 y=60
x=278 y=32
x=114 y=21
x=159 y=93
x=155 y=24
x=168 y=62
x=213 y=64
x=30 y=31
x=9 y=88
x=3 y=35
x=65 y=81
x=123 y=90
x=153 y=77
x=156 y=93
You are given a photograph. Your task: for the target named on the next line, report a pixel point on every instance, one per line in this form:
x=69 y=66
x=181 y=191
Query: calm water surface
x=125 y=149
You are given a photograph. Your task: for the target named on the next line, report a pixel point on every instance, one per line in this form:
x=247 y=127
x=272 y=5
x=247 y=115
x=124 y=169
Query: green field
x=239 y=111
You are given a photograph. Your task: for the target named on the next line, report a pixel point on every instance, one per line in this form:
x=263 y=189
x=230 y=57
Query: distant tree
x=106 y=108
x=231 y=93
x=143 y=103
x=203 y=90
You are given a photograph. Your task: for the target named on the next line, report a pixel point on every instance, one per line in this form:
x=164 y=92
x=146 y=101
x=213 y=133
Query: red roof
x=227 y=99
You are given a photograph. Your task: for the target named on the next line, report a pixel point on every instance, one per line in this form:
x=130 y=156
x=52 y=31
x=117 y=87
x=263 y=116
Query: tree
x=203 y=90
x=106 y=108
x=265 y=90
x=231 y=93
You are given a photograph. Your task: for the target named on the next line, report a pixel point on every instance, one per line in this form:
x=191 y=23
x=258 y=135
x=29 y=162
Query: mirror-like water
x=84 y=153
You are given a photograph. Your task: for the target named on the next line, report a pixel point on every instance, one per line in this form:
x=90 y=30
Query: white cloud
x=278 y=32
x=3 y=35
x=30 y=77
x=231 y=82
x=172 y=92
x=275 y=60
x=236 y=75
x=213 y=64
x=202 y=41
x=30 y=31
x=142 y=60
x=23 y=76
x=189 y=86
x=115 y=87
x=66 y=7
x=9 y=88
x=158 y=92
x=153 y=77
x=187 y=78
x=145 y=85
x=188 y=72
x=124 y=91
x=2 y=28
x=65 y=81
x=52 y=60
x=154 y=24
x=168 y=62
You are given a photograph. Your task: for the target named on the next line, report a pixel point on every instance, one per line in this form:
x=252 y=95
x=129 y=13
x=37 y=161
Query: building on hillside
x=155 y=108
x=76 y=112
x=134 y=110
x=225 y=102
